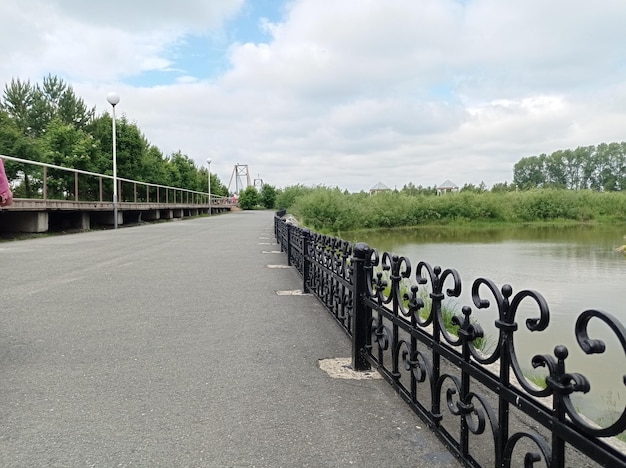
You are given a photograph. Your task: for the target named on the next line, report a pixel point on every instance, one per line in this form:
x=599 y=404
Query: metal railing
x=47 y=182
x=480 y=404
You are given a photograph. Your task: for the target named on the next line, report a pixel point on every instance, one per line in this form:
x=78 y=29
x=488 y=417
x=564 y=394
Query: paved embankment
x=167 y=345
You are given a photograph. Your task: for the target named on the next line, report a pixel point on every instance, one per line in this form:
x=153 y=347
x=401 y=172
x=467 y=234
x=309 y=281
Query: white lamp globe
x=113 y=98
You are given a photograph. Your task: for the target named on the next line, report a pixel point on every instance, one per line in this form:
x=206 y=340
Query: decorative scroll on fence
x=479 y=403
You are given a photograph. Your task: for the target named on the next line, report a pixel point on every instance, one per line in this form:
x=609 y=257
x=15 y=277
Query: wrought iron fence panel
x=280 y=231
x=479 y=402
x=329 y=260
x=297 y=250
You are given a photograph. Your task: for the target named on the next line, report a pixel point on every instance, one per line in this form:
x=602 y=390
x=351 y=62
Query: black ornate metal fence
x=479 y=403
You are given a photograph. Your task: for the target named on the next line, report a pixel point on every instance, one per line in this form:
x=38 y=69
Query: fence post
x=362 y=313
x=45 y=183
x=288 y=243
x=306 y=261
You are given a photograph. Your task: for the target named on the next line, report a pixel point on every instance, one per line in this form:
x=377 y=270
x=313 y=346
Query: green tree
x=67 y=146
x=601 y=168
x=481 y=188
x=185 y=173
x=18 y=101
x=529 y=172
x=9 y=133
x=249 y=198
x=15 y=143
x=154 y=166
x=268 y=196
x=503 y=187
x=131 y=146
x=286 y=197
x=555 y=170
x=577 y=167
x=61 y=102
x=609 y=167
x=33 y=107
x=47 y=122
x=411 y=189
x=130 y=152
x=217 y=188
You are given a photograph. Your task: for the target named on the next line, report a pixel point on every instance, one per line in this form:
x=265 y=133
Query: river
x=575 y=268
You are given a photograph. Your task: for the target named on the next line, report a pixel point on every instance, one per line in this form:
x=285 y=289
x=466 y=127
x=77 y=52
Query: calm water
x=574 y=268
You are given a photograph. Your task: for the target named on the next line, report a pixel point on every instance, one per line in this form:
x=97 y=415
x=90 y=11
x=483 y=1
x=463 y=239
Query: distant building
x=379 y=187
x=446 y=187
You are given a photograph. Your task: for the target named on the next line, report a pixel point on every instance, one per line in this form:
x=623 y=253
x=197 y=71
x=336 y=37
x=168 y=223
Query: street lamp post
x=114 y=99
x=208 y=161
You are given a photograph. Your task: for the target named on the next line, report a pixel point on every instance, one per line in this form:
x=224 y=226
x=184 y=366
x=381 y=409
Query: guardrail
x=481 y=406
x=42 y=181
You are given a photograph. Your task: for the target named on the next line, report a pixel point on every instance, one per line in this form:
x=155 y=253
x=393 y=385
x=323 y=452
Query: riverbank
x=333 y=211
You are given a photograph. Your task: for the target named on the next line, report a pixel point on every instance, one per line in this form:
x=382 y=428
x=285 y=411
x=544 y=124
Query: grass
x=448 y=311
x=537 y=380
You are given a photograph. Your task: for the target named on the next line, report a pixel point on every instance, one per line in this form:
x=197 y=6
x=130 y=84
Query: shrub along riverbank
x=333 y=211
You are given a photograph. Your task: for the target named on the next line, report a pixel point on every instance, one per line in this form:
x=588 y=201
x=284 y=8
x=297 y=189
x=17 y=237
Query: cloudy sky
x=341 y=93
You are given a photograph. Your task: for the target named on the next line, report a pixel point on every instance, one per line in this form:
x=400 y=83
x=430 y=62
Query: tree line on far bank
x=48 y=123
x=601 y=168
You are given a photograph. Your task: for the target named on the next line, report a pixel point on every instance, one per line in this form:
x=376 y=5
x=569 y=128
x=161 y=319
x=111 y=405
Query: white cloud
x=150 y=15
x=100 y=40
x=346 y=93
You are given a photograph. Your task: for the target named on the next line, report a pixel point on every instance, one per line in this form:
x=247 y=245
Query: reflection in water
x=575 y=268
x=580 y=234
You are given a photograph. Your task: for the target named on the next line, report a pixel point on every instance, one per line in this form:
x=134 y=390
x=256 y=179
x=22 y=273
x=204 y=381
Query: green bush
x=285 y=198
x=249 y=198
x=334 y=211
x=267 y=197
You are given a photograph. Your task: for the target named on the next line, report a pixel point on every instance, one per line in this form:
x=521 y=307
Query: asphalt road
x=168 y=345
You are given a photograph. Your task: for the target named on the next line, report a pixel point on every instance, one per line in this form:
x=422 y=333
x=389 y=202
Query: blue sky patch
x=202 y=57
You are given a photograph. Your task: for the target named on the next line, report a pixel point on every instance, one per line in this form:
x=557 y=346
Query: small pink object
x=6 y=197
